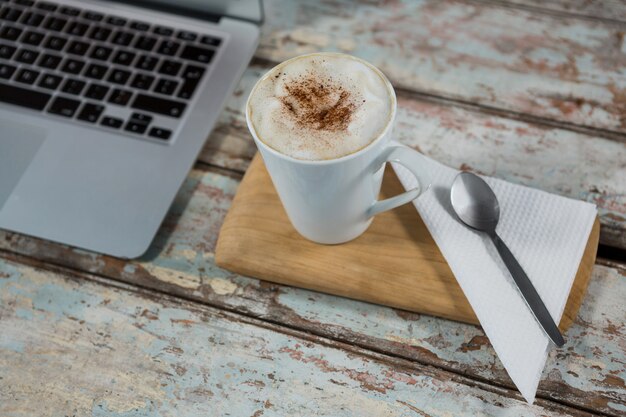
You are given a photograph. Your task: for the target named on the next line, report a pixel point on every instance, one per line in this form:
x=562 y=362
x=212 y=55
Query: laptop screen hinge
x=176 y=10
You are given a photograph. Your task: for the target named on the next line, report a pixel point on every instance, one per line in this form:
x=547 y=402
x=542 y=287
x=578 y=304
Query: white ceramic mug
x=333 y=201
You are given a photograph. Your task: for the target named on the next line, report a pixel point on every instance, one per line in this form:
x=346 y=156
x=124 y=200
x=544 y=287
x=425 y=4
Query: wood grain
x=524 y=61
x=556 y=160
x=488 y=119
x=395 y=262
x=81 y=347
x=586 y=373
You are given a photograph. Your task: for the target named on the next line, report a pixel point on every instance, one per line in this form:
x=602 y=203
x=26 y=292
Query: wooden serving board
x=395 y=262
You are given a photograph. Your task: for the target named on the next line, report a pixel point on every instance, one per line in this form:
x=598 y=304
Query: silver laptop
x=104 y=107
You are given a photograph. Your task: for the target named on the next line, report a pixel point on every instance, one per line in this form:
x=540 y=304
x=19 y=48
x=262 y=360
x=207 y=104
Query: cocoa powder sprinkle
x=325 y=106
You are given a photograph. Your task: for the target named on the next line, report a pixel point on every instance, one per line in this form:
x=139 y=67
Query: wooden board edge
x=581 y=281
x=228 y=261
x=222 y=259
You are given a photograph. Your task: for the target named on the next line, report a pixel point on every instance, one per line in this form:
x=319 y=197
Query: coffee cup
x=323 y=125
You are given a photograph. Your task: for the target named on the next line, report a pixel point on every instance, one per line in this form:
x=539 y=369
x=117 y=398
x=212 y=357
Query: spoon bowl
x=475 y=203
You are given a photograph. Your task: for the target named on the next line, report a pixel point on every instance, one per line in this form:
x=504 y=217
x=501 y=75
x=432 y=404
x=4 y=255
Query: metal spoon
x=476 y=205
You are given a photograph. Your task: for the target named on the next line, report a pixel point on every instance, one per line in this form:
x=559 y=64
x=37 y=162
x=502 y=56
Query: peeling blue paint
x=617 y=407
x=205 y=362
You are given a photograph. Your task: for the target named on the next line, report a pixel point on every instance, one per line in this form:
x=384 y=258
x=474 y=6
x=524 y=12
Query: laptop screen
x=251 y=10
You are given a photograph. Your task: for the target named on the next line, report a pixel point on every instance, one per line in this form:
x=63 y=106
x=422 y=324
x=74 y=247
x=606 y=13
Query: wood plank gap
x=620 y=264
x=510 y=114
x=551 y=12
x=316 y=337
x=611 y=253
x=227 y=172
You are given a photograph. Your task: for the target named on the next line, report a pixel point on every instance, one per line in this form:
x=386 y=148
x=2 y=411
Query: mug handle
x=414 y=162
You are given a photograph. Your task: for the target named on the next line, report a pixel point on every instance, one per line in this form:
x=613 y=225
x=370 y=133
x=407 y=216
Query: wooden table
x=524 y=90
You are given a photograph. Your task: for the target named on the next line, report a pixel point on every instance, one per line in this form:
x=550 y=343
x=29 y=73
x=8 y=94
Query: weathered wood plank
x=610 y=10
x=560 y=161
x=565 y=69
x=77 y=347
x=587 y=372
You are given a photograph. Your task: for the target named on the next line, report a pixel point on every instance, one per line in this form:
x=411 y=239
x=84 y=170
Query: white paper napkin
x=546 y=233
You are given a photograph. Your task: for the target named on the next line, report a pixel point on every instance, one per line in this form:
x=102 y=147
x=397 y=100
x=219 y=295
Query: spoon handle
x=529 y=293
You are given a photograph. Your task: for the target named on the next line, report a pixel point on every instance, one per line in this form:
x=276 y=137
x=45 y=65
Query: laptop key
x=195 y=53
x=10 y=14
x=70 y=11
x=26 y=76
x=95 y=71
x=100 y=33
x=135 y=127
x=90 y=112
x=188 y=88
x=64 y=106
x=123 y=57
x=73 y=86
x=119 y=76
x=55 y=42
x=169 y=67
x=112 y=122
x=142 y=81
x=96 y=91
x=50 y=81
x=168 y=47
x=140 y=26
x=73 y=66
x=10 y=33
x=77 y=29
x=32 y=38
x=120 y=97
x=138 y=123
x=160 y=133
x=192 y=75
x=158 y=105
x=116 y=21
x=26 y=3
x=55 y=23
x=146 y=62
x=6 y=72
x=123 y=38
x=43 y=5
x=101 y=53
x=49 y=61
x=145 y=43
x=6 y=51
x=78 y=48
x=32 y=19
x=141 y=118
x=186 y=35
x=93 y=16
x=164 y=31
x=24 y=97
x=26 y=56
x=210 y=40
x=193 y=72
x=166 y=87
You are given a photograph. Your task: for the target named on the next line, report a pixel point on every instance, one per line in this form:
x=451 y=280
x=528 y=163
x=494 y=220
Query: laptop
x=104 y=107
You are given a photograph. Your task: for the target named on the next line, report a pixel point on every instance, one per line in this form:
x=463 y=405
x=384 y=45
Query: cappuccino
x=321 y=106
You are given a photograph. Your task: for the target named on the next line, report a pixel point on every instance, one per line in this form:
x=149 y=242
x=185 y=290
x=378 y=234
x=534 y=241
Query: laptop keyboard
x=99 y=69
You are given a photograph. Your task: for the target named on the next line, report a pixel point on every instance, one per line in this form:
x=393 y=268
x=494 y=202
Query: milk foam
x=320 y=106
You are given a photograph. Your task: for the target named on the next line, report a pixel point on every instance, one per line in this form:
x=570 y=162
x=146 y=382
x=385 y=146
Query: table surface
x=529 y=91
